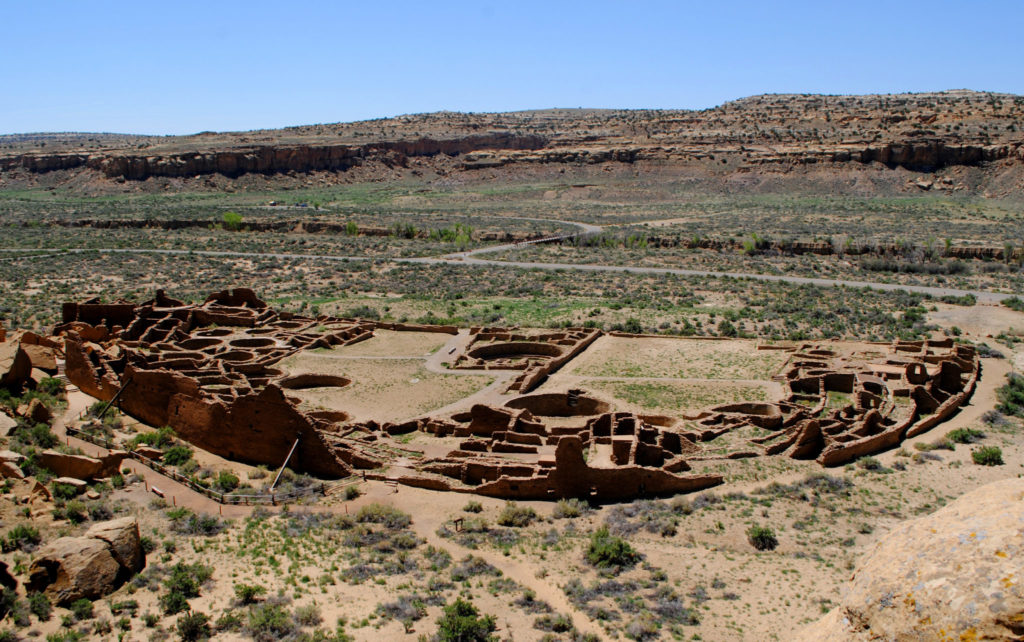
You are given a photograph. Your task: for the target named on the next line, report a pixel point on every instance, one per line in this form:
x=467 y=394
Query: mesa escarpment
x=919 y=132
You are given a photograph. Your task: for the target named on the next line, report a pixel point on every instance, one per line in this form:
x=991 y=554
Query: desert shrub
x=670 y=608
x=986 y=351
x=260 y=472
x=21 y=537
x=556 y=623
x=232 y=221
x=160 y=438
x=177 y=455
x=74 y=511
x=462 y=622
x=644 y=627
x=193 y=626
x=473 y=506
x=183 y=584
x=127 y=606
x=13 y=608
x=964 y=435
x=471 y=566
x=63 y=491
x=438 y=558
x=1011 y=396
x=762 y=538
x=869 y=463
x=516 y=516
x=50 y=386
x=610 y=551
x=226 y=481
x=352 y=492
x=995 y=419
x=82 y=609
x=40 y=606
x=362 y=312
x=569 y=508
x=528 y=602
x=1014 y=303
x=100 y=512
x=186 y=522
x=406 y=609
x=308 y=615
x=381 y=514
x=269 y=623
x=248 y=593
x=42 y=436
x=988 y=456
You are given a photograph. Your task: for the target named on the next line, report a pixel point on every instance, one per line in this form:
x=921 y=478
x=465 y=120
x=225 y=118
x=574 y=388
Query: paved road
x=471 y=258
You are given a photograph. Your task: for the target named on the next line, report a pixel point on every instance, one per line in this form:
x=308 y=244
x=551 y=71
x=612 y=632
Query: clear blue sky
x=182 y=67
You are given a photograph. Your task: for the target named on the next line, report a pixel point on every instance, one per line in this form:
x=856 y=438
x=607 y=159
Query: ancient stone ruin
x=208 y=371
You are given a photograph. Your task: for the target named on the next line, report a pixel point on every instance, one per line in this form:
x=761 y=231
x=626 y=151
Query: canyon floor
x=774 y=219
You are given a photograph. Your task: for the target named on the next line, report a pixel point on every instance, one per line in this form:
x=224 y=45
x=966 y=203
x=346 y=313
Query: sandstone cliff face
x=268 y=159
x=920 y=132
x=956 y=574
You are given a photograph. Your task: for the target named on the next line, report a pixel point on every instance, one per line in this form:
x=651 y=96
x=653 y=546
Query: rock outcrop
x=90 y=566
x=954 y=575
x=81 y=466
x=15 y=365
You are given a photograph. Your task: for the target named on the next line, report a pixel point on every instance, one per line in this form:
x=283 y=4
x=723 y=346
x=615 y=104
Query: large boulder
x=90 y=566
x=37 y=411
x=71 y=568
x=81 y=466
x=122 y=535
x=955 y=574
x=41 y=357
x=15 y=365
x=7 y=425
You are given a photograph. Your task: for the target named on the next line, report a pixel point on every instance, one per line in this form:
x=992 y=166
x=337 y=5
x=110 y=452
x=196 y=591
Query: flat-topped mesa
x=920 y=132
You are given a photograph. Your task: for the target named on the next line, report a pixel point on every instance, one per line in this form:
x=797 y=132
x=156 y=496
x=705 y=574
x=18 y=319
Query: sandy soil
x=980 y=321
x=382 y=389
x=388 y=343
x=677 y=358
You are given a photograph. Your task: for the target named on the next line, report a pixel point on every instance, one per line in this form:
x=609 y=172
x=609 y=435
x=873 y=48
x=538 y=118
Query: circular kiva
x=199 y=343
x=237 y=356
x=332 y=416
x=253 y=342
x=215 y=332
x=305 y=381
x=515 y=349
x=557 y=405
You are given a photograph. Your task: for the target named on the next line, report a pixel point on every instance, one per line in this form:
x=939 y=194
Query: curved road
x=470 y=257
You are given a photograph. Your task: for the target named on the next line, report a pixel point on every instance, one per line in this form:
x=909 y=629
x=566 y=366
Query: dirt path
x=522 y=572
x=471 y=258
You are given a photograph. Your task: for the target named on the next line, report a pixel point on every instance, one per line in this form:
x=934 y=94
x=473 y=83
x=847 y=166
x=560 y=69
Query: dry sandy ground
x=737 y=592
x=677 y=358
x=981 y=321
x=388 y=343
x=390 y=382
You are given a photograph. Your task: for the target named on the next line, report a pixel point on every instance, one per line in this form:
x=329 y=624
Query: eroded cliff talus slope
x=918 y=132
